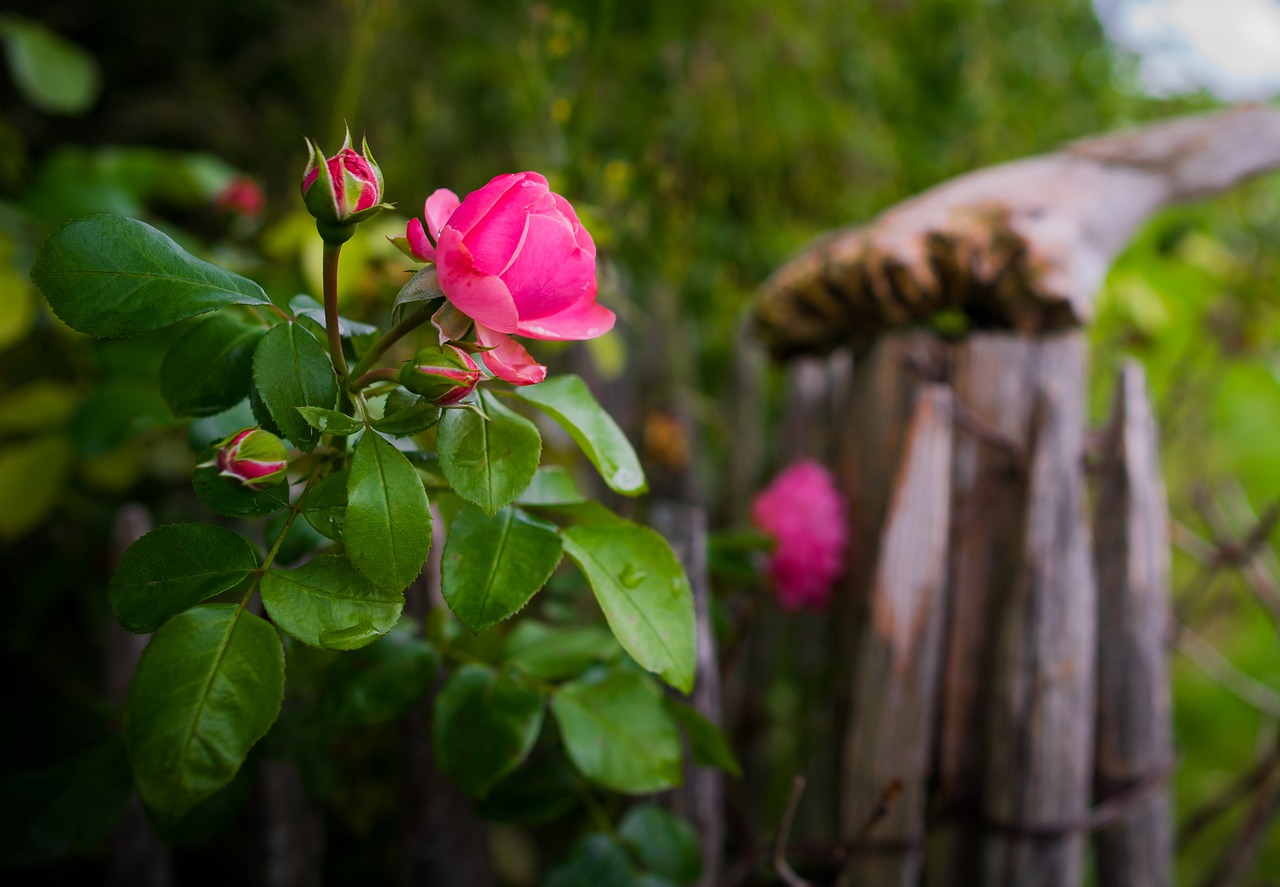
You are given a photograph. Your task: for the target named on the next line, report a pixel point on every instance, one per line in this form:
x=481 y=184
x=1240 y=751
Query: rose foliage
x=329 y=448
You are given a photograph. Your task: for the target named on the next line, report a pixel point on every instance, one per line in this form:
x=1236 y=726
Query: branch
x=780 y=864
x=1024 y=244
x=1219 y=669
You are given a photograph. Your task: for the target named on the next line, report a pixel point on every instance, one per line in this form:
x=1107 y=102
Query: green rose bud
x=443 y=374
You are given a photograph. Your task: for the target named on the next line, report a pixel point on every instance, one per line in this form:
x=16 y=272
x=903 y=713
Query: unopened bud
x=342 y=190
x=254 y=457
x=443 y=374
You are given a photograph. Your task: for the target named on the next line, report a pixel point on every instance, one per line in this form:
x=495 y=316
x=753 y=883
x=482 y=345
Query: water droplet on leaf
x=631 y=576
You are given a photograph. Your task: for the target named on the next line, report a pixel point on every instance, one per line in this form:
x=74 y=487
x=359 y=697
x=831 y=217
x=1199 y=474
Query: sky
x=1229 y=47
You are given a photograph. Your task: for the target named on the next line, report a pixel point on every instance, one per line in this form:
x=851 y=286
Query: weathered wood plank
x=992 y=376
x=701 y=798
x=1040 y=739
x=1135 y=737
x=890 y=737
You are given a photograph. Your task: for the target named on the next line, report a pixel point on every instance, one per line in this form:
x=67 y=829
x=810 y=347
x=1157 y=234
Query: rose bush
x=514 y=258
x=805 y=514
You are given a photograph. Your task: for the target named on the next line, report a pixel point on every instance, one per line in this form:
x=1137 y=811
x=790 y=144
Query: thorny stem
x=295 y=509
x=331 y=253
x=392 y=336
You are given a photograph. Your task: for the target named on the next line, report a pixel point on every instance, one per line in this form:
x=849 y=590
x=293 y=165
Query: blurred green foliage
x=703 y=143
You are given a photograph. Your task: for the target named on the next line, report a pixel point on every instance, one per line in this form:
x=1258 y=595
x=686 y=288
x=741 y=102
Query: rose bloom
x=243 y=196
x=805 y=514
x=515 y=259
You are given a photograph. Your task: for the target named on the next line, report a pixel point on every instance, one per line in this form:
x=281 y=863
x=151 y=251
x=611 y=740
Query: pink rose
x=515 y=259
x=241 y=195
x=805 y=514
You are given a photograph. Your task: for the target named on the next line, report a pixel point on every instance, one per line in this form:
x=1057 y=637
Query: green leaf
x=618 y=734
x=387 y=528
x=330 y=421
x=208 y=686
x=485 y=724
x=51 y=73
x=553 y=652
x=228 y=497
x=210 y=367
x=542 y=789
x=493 y=565
x=175 y=567
x=327 y=603
x=33 y=475
x=423 y=287
x=382 y=681
x=663 y=842
x=116 y=413
x=406 y=414
x=569 y=401
x=643 y=592
x=325 y=507
x=707 y=744
x=596 y=860
x=66 y=808
x=291 y=369
x=488 y=463
x=552 y=485
x=108 y=275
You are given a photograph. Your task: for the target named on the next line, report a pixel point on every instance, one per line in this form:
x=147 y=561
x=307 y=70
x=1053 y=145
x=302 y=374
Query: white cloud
x=1229 y=47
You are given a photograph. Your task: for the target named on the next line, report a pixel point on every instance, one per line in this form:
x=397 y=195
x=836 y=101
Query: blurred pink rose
x=241 y=195
x=515 y=259
x=805 y=514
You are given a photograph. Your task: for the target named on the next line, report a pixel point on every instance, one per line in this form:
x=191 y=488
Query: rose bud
x=342 y=190
x=513 y=257
x=254 y=457
x=443 y=374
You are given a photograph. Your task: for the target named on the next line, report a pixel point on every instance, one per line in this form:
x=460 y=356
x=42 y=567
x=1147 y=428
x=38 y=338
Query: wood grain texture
x=895 y=674
x=1022 y=245
x=1040 y=729
x=992 y=375
x=1135 y=735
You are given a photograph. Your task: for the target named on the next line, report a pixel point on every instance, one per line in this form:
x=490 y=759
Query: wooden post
x=1039 y=744
x=1023 y=246
x=989 y=488
x=890 y=739
x=1135 y=735
x=701 y=798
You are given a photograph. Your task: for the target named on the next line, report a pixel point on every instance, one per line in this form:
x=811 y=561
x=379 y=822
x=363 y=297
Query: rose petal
x=418 y=243
x=580 y=234
x=585 y=319
x=482 y=297
x=500 y=234
x=439 y=207
x=478 y=203
x=508 y=360
x=551 y=272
